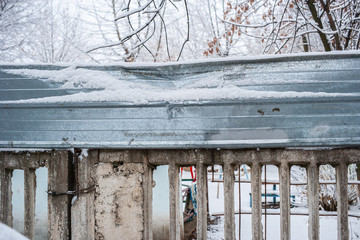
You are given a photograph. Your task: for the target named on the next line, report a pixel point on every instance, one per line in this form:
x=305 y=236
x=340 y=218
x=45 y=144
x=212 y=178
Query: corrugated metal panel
x=17 y=87
x=298 y=122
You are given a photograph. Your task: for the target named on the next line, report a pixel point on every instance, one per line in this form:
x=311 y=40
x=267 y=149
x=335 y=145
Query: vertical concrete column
x=342 y=200
x=119 y=198
x=82 y=207
x=256 y=201
x=284 y=174
x=58 y=200
x=201 y=179
x=6 y=196
x=174 y=228
x=148 y=199
x=313 y=200
x=229 y=218
x=29 y=197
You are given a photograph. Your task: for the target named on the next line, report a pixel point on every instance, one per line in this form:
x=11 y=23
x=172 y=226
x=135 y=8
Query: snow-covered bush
x=327 y=192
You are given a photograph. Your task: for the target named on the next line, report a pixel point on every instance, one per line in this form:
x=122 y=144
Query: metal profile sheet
x=243 y=123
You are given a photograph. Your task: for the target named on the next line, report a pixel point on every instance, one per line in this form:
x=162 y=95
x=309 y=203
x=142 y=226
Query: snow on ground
x=8 y=233
x=299 y=224
x=299 y=228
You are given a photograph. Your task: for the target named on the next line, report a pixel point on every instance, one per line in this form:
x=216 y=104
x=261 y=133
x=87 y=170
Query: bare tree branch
x=129 y=13
x=188 y=30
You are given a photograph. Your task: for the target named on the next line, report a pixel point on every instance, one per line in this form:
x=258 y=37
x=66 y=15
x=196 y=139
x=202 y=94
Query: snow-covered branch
x=129 y=13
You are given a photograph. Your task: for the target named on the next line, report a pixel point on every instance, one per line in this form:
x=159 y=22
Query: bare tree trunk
x=323 y=38
x=305 y=43
x=332 y=24
x=348 y=38
x=129 y=57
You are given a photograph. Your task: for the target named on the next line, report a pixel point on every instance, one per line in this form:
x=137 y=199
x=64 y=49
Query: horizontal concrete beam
x=186 y=157
x=26 y=159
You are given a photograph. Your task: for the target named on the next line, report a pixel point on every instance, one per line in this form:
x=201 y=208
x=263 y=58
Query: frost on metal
x=278 y=101
x=179 y=83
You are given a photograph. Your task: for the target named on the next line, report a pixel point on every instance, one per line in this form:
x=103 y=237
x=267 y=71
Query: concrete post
x=6 y=196
x=29 y=197
x=148 y=199
x=342 y=195
x=119 y=200
x=174 y=228
x=58 y=200
x=229 y=218
x=284 y=175
x=257 y=233
x=201 y=179
x=82 y=207
x=313 y=200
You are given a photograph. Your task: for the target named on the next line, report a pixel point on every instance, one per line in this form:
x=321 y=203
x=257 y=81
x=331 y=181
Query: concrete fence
x=107 y=194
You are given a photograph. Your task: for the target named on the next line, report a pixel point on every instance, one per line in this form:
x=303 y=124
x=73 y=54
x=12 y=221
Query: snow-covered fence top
x=288 y=101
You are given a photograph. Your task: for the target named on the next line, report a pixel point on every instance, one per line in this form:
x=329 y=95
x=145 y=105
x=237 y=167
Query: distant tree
x=109 y=32
x=57 y=35
x=137 y=26
x=226 y=35
x=291 y=25
x=169 y=30
x=40 y=30
x=13 y=18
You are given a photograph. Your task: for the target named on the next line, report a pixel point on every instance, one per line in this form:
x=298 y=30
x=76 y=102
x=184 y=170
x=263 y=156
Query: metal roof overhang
x=246 y=123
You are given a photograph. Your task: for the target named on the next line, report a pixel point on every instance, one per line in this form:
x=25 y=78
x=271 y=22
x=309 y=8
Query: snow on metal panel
x=222 y=123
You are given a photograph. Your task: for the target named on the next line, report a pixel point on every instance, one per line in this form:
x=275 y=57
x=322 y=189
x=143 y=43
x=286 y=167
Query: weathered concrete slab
x=119 y=201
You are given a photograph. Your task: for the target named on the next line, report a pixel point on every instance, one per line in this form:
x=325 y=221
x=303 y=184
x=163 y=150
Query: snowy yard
x=299 y=223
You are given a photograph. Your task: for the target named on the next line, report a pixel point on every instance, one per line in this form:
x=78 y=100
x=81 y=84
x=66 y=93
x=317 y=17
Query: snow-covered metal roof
x=288 y=101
